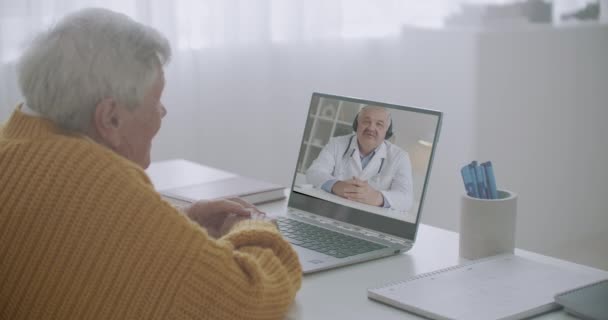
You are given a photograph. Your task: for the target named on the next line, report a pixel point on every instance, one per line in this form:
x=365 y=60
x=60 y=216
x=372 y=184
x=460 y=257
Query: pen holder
x=487 y=226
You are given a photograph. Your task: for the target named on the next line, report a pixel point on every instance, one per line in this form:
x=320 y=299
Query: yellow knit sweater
x=83 y=235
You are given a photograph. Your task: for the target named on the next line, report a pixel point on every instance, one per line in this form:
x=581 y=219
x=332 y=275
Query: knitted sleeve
x=250 y=273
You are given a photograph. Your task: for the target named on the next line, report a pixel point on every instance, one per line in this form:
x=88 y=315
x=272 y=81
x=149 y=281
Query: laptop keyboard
x=322 y=240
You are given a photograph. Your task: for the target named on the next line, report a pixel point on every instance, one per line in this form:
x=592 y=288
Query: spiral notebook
x=500 y=287
x=589 y=302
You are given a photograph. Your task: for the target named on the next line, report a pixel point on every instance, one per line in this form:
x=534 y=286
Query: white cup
x=487 y=226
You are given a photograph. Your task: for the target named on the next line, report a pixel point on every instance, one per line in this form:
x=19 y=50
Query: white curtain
x=230 y=25
x=192 y=24
x=225 y=25
x=231 y=58
x=243 y=70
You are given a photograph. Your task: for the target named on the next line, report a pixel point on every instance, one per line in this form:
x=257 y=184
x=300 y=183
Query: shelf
x=322 y=118
x=341 y=122
x=313 y=144
x=344 y=123
x=328 y=118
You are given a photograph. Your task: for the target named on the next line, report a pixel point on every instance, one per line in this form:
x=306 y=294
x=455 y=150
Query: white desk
x=341 y=293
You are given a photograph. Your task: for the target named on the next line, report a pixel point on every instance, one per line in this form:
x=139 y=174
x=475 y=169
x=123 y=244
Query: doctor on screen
x=364 y=166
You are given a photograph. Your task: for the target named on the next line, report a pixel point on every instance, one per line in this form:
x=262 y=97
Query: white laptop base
x=313 y=261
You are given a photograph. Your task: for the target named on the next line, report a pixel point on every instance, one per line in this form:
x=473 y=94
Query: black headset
x=389 y=132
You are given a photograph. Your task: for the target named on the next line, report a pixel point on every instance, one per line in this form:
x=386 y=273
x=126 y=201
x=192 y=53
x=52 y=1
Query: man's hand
x=358 y=190
x=218 y=216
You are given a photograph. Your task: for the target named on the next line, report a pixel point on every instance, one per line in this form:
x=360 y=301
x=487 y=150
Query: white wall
x=542 y=103
x=252 y=102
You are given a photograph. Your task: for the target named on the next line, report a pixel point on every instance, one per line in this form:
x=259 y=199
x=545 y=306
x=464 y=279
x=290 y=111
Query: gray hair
x=389 y=117
x=90 y=55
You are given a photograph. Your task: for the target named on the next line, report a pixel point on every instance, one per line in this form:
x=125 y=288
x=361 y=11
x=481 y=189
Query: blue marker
x=491 y=180
x=469 y=185
x=473 y=171
x=481 y=183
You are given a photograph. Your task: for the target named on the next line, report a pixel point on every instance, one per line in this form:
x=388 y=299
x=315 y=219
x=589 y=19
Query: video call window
x=383 y=147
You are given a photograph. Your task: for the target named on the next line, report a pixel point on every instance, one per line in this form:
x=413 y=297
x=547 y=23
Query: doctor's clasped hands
x=358 y=190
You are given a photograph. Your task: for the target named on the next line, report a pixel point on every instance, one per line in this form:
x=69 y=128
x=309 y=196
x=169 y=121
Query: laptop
x=330 y=227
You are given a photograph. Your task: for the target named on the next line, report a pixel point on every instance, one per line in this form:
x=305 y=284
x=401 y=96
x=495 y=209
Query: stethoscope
x=350 y=142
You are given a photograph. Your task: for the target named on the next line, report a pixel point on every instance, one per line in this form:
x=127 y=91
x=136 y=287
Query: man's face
x=372 y=125
x=142 y=124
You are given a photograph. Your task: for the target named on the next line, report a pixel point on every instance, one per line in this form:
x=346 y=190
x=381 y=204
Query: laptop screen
x=365 y=163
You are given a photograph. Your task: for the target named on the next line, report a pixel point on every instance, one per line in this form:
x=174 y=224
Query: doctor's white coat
x=389 y=171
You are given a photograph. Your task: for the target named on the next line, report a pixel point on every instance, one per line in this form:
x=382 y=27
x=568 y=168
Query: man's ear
x=107 y=120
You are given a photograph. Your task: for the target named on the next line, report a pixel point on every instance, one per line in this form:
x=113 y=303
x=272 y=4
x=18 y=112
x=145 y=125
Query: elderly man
x=368 y=169
x=83 y=233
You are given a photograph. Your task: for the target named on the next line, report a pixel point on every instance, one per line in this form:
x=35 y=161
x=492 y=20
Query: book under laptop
x=330 y=230
x=182 y=182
